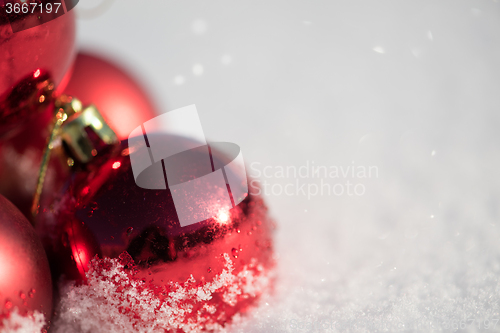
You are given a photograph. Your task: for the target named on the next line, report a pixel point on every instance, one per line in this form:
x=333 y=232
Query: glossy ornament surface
x=33 y=63
x=125 y=246
x=118 y=96
x=25 y=281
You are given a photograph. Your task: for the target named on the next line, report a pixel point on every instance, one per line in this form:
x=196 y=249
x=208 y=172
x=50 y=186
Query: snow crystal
x=16 y=323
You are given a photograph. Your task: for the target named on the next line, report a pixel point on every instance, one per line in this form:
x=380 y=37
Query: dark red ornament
x=120 y=99
x=33 y=62
x=125 y=246
x=25 y=282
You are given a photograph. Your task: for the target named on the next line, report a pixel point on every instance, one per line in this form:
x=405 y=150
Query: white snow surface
x=411 y=87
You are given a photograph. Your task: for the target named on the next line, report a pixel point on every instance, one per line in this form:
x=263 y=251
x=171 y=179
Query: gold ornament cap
x=82 y=128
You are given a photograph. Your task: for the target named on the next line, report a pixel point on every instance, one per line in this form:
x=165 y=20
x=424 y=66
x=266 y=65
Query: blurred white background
x=410 y=87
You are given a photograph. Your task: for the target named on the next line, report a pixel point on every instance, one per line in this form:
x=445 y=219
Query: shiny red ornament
x=25 y=282
x=135 y=262
x=116 y=94
x=33 y=63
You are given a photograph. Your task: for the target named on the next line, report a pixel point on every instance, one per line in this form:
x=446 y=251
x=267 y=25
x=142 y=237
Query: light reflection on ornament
x=223 y=216
x=81 y=259
x=85 y=191
x=97 y=124
x=5 y=268
x=116 y=165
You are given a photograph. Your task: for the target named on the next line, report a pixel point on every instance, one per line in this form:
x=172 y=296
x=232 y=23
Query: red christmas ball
x=116 y=94
x=25 y=282
x=137 y=263
x=33 y=62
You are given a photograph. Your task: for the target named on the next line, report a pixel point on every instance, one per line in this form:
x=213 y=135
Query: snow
x=16 y=323
x=113 y=301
